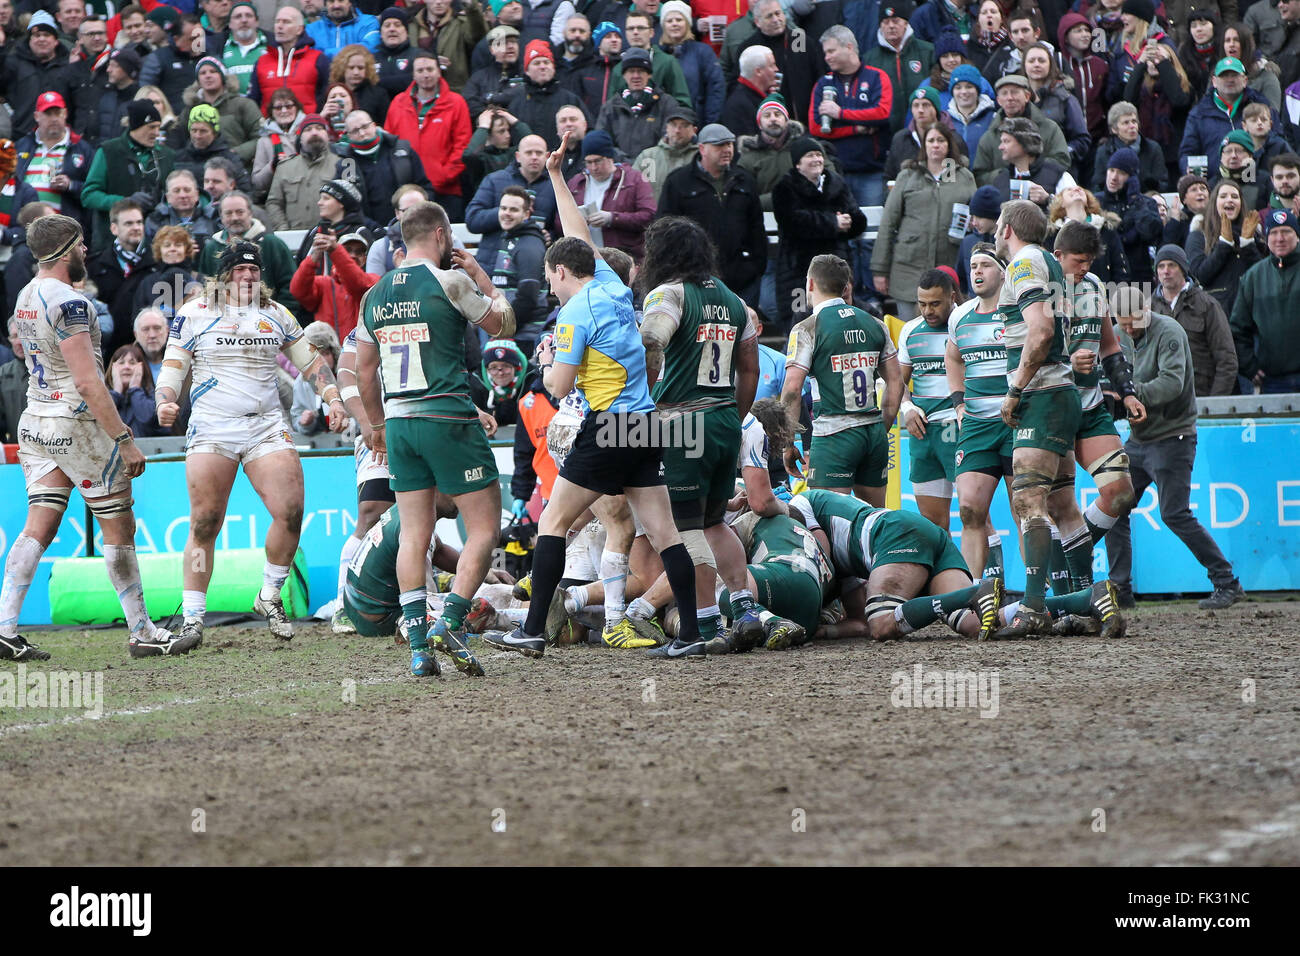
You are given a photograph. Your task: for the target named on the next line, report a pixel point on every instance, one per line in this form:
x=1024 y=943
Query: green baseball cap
x=1229 y=64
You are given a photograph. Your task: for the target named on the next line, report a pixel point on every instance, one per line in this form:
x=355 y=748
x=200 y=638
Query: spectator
x=308 y=413
x=170 y=133
x=121 y=83
x=171 y=67
x=221 y=176
x=1076 y=204
x=815 y=214
x=13 y=387
x=915 y=230
x=861 y=135
x=1263 y=23
x=617 y=200
x=931 y=20
x=1266 y=142
x=1162 y=447
x=513 y=254
x=540 y=97
x=1193 y=196
x=1221 y=244
x=21 y=267
x=1263 y=312
x=292 y=61
x=990 y=35
x=377 y=162
x=215 y=22
x=1288 y=57
x=1261 y=75
x=149 y=331
x=237 y=222
x=985 y=207
x=499 y=384
x=31 y=68
x=333 y=293
x=906 y=143
x=634 y=118
x=207 y=142
x=576 y=44
x=949 y=53
x=797 y=67
x=1201 y=46
x=1056 y=102
x=1014 y=103
x=245 y=45
x=435 y=121
x=297 y=181
x=666 y=72
x=1124 y=134
x=240 y=119
x=675 y=149
x=54 y=160
x=1237 y=163
x=593 y=79
x=354 y=69
x=69 y=15
x=571 y=120
x=901 y=55
x=279 y=139
x=1024 y=29
x=86 y=71
x=338 y=103
x=343 y=25
x=381 y=256
x=450 y=30
x=132 y=166
x=971 y=108
x=1283 y=183
x=758 y=80
x=1021 y=147
x=1214 y=354
x=1140 y=226
x=1208 y=122
x=724 y=200
x=698 y=61
x=182 y=207
x=339 y=206
x=528 y=171
x=117 y=268
x=131 y=383
x=1088 y=70
x=492 y=147
x=393 y=58
x=492 y=85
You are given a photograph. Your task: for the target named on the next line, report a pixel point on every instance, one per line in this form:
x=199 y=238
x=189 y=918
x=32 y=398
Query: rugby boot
x=1105 y=608
x=985 y=603
x=516 y=640
x=18 y=648
x=782 y=634
x=163 y=642
x=452 y=643
x=624 y=636
x=272 y=608
x=1027 y=623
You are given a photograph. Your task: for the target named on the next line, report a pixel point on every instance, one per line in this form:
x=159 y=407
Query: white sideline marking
x=1284 y=826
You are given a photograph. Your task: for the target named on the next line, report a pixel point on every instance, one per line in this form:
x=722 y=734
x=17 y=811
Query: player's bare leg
x=47 y=500
x=873 y=495
x=415 y=510
x=277 y=479
x=975 y=492
x=1036 y=471
x=209 y=479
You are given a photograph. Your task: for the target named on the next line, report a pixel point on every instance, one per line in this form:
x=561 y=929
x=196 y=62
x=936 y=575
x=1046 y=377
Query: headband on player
x=997 y=260
x=241 y=253
x=63 y=250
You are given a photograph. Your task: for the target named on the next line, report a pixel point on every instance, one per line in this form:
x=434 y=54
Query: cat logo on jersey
x=563 y=337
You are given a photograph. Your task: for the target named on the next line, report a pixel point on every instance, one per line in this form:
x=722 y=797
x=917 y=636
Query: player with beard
x=71 y=434
x=410 y=342
x=230 y=338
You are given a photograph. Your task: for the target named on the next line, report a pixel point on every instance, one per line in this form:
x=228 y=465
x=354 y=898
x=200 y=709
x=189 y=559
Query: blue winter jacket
x=703 y=78
x=481 y=213
x=932 y=18
x=330 y=37
x=1207 y=124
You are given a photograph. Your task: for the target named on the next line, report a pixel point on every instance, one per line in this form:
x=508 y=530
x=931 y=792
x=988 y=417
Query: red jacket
x=439 y=139
x=334 y=298
x=305 y=71
x=630 y=200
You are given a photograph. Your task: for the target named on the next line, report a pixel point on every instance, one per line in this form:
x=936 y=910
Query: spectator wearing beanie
x=970 y=107
x=537 y=100
x=1193 y=194
x=925 y=112
x=904 y=57
x=1089 y=71
x=241 y=120
x=767 y=154
x=339 y=212
x=934 y=21
x=134 y=165
x=207 y=141
x=499 y=384
x=635 y=118
x=35 y=64
x=1237 y=163
x=1021 y=148
x=434 y=119
x=816 y=213
x=1263 y=313
x=393 y=58
x=1140 y=226
x=296 y=183
x=593 y=78
x=122 y=82
x=698 y=61
x=623 y=197
x=949 y=53
x=985 y=207
x=1124 y=133
x=913 y=235
x=1214 y=354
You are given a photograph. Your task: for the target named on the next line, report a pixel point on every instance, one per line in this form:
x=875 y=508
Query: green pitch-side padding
x=80 y=592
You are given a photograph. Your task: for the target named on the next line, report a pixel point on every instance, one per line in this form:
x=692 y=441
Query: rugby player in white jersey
x=230 y=338
x=71 y=434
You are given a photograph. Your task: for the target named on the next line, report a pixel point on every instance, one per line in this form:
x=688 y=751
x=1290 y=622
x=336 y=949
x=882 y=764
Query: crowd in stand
x=171 y=130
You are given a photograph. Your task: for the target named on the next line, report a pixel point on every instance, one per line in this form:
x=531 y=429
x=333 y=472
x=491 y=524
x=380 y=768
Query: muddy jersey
x=847 y=523
x=782 y=540
x=49 y=311
x=1035 y=276
x=980 y=339
x=235 y=353
x=924 y=347
x=709 y=322
x=841 y=348
x=1086 y=308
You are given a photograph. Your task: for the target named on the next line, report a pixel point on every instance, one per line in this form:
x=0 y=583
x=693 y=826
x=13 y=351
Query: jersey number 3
x=715 y=365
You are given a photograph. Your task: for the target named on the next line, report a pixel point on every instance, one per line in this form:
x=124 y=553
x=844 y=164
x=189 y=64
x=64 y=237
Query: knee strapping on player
x=1032 y=481
x=1061 y=483
x=56 y=499
x=1110 y=467
x=697 y=546
x=879 y=604
x=110 y=507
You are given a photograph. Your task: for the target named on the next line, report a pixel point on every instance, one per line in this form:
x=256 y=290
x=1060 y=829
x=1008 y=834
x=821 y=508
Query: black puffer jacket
x=24 y=78
x=806 y=221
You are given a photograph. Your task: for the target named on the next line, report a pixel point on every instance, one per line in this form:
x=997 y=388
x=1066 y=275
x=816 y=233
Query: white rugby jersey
x=234 y=353
x=48 y=312
x=753 y=444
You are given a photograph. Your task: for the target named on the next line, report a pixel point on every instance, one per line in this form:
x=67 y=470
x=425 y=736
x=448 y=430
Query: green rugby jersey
x=416 y=317
x=841 y=348
x=374 y=563
x=923 y=347
x=1035 y=276
x=709 y=323
x=847 y=522
x=1086 y=308
x=980 y=339
x=782 y=540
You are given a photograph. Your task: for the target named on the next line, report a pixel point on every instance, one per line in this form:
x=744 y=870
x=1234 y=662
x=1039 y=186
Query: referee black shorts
x=616 y=450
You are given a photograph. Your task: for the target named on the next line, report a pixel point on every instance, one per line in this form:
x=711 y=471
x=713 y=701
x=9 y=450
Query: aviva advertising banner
x=1245 y=490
